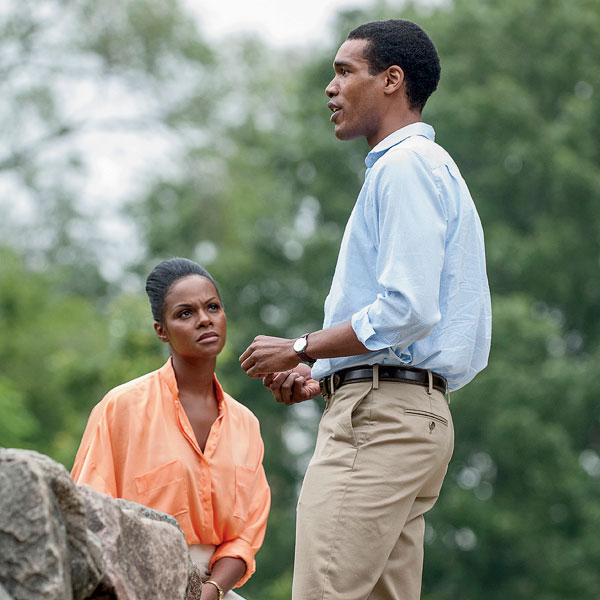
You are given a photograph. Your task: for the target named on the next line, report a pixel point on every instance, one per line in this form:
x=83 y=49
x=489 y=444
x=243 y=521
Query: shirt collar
x=396 y=138
x=168 y=374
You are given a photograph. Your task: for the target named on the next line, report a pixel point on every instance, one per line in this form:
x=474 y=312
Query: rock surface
x=59 y=541
x=4 y=594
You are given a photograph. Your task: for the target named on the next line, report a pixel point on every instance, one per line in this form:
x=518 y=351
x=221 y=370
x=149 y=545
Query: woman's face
x=194 y=324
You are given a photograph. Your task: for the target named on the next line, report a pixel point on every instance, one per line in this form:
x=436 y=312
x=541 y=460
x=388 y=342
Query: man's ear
x=161 y=332
x=394 y=79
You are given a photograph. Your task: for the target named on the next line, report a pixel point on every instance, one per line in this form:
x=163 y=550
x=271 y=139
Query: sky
x=118 y=163
x=279 y=22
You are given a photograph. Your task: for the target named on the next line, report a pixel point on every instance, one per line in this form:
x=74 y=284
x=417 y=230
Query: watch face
x=300 y=345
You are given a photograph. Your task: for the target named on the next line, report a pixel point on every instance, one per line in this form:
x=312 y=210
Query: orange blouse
x=139 y=445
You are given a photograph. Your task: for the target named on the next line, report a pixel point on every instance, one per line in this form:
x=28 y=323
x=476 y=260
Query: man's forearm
x=332 y=342
x=271 y=354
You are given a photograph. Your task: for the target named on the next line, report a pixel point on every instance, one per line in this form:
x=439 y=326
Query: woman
x=174 y=441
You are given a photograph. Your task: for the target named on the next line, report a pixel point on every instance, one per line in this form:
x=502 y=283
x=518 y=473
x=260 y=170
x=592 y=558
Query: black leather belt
x=386 y=373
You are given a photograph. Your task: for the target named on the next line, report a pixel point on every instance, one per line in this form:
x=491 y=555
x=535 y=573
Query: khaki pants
x=379 y=463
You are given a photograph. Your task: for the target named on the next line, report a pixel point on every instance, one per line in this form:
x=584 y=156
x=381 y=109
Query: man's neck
x=393 y=122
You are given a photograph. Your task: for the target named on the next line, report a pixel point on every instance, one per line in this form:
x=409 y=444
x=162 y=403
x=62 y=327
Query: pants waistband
x=378 y=373
x=201 y=554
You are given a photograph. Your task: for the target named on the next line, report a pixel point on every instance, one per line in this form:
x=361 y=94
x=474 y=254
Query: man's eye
x=343 y=71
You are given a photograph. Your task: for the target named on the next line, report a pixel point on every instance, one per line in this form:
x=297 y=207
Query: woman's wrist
x=217 y=587
x=209 y=592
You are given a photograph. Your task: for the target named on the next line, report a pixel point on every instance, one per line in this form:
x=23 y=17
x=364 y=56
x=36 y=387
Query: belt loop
x=375 y=377
x=331 y=384
x=447 y=391
x=430 y=382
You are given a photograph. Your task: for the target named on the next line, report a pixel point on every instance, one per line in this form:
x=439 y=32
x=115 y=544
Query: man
x=407 y=320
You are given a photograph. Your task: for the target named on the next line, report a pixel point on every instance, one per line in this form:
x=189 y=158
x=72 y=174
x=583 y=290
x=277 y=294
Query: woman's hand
x=292 y=386
x=226 y=572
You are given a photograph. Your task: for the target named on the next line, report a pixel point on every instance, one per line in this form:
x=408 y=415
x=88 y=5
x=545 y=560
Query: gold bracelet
x=219 y=588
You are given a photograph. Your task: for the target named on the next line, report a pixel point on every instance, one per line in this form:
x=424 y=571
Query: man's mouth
x=335 y=109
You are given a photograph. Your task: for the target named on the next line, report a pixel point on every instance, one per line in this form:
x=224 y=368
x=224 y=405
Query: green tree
x=60 y=353
x=258 y=189
x=519 y=513
x=81 y=75
x=514 y=108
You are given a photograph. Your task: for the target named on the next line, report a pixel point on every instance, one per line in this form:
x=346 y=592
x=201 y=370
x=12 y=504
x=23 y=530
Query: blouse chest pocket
x=164 y=488
x=245 y=483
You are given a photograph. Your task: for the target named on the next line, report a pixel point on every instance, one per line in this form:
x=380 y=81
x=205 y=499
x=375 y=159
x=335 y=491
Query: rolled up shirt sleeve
x=408 y=224
x=247 y=544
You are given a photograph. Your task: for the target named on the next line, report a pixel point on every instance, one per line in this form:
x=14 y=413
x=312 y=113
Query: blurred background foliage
x=241 y=171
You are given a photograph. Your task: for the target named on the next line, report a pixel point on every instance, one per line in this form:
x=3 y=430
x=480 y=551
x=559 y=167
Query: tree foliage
x=251 y=182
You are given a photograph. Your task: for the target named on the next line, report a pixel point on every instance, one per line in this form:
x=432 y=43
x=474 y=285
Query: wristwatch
x=220 y=592
x=299 y=348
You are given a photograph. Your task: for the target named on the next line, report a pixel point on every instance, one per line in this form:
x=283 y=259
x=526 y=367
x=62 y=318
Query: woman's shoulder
x=239 y=411
x=131 y=393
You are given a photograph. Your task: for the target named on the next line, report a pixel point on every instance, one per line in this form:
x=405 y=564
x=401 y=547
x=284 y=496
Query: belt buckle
x=323 y=388
x=329 y=384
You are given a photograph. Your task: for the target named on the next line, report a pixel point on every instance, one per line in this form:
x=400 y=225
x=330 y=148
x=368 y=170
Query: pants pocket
x=426 y=415
x=351 y=412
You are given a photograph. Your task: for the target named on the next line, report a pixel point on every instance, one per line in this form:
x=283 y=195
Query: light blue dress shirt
x=411 y=273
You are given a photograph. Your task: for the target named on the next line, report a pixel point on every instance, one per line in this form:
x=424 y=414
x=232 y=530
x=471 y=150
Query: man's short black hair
x=405 y=44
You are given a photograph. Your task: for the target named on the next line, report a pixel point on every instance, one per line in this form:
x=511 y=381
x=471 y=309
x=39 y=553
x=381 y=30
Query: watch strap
x=303 y=356
x=306 y=358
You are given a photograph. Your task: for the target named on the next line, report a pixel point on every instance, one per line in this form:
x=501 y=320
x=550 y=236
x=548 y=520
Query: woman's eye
x=184 y=314
x=214 y=306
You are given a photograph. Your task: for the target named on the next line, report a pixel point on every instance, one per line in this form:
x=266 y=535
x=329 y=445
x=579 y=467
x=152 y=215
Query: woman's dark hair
x=405 y=44
x=164 y=275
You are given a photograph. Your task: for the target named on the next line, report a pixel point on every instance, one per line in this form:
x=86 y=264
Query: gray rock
x=59 y=541
x=46 y=550
x=194 y=587
x=4 y=594
x=144 y=557
x=194 y=574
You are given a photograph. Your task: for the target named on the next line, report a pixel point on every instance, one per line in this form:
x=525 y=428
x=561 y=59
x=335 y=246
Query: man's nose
x=331 y=90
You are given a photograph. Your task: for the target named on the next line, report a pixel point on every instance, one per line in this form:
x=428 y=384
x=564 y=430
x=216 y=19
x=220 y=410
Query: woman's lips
x=208 y=337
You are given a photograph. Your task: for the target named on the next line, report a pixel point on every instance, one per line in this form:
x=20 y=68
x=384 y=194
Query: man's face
x=356 y=97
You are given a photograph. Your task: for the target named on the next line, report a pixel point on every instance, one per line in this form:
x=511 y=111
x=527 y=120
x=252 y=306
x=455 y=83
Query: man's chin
x=344 y=135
